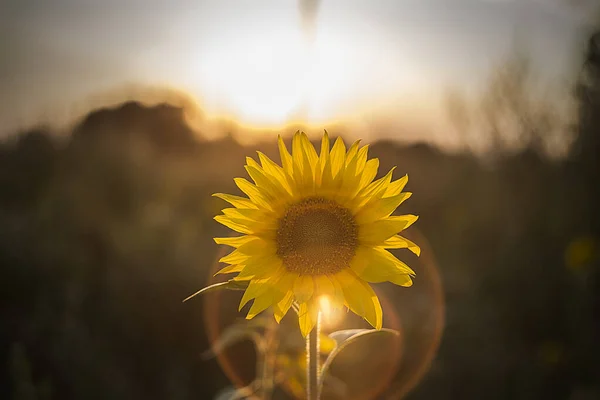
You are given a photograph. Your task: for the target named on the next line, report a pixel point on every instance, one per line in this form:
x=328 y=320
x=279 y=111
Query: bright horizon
x=252 y=63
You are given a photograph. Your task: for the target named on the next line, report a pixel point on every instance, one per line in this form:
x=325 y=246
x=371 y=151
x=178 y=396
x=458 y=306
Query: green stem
x=268 y=362
x=312 y=361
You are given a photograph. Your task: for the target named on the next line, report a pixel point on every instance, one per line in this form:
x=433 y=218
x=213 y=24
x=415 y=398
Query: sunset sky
x=249 y=59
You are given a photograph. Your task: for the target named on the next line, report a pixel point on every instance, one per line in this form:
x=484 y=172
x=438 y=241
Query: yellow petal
x=369 y=172
x=323 y=162
x=260 y=304
x=377 y=265
x=272 y=188
x=257 y=196
x=353 y=172
x=307 y=317
x=250 y=214
x=375 y=313
x=235 y=257
x=274 y=170
x=348 y=282
x=400 y=242
x=327 y=181
x=258 y=247
x=252 y=162
x=286 y=158
x=378 y=188
x=255 y=288
x=305 y=158
x=298 y=178
x=360 y=298
x=308 y=149
x=361 y=158
x=297 y=153
x=236 y=225
x=234 y=241
x=339 y=298
x=397 y=186
x=380 y=208
x=352 y=151
x=371 y=193
x=324 y=155
x=324 y=287
x=390 y=257
x=252 y=223
x=379 y=231
x=402 y=280
x=230 y=269
x=318 y=174
x=303 y=288
x=302 y=172
x=309 y=172
x=236 y=201
x=338 y=157
x=261 y=267
x=285 y=295
x=351 y=177
x=282 y=307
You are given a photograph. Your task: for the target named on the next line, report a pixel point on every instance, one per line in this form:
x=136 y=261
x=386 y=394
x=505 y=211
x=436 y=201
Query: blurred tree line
x=105 y=231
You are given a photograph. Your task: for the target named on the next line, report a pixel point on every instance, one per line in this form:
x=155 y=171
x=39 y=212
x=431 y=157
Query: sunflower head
x=318 y=225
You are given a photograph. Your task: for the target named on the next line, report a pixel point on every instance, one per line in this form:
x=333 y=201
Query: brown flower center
x=316 y=236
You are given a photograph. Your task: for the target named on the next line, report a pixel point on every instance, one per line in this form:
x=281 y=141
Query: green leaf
x=230 y=284
x=346 y=334
x=360 y=345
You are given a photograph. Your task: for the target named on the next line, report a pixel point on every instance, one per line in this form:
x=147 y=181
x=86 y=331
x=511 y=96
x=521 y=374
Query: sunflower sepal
x=231 y=284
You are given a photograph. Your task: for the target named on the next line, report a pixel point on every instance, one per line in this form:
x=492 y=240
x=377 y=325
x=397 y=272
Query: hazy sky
x=247 y=58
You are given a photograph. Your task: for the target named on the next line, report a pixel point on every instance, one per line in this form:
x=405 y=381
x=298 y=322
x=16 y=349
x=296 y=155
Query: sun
x=270 y=79
x=261 y=70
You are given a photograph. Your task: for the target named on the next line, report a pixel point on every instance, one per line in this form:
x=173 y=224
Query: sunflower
x=319 y=225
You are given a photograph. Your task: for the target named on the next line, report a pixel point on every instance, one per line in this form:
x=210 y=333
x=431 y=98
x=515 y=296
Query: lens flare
x=325 y=307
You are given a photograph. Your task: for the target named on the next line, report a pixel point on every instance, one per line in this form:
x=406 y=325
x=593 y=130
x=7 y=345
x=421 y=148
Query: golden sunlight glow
x=325 y=306
x=330 y=317
x=271 y=77
x=268 y=80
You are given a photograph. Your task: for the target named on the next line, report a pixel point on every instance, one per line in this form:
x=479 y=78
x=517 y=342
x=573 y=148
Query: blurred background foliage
x=103 y=232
